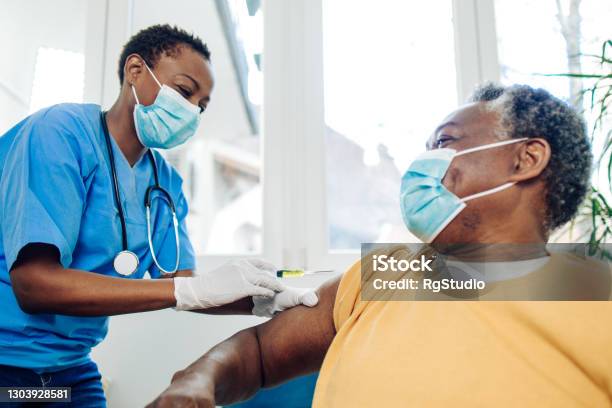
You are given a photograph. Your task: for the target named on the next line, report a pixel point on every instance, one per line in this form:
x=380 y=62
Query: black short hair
x=528 y=112
x=151 y=42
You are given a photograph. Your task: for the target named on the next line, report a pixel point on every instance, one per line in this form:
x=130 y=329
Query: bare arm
x=42 y=285
x=293 y=343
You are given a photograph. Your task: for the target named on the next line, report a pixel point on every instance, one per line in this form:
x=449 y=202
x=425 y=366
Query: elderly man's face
x=467 y=127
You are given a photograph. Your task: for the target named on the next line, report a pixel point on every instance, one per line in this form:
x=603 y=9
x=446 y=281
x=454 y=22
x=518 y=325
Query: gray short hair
x=528 y=112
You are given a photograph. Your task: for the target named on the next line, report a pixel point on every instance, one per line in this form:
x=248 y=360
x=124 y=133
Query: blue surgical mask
x=170 y=121
x=427 y=206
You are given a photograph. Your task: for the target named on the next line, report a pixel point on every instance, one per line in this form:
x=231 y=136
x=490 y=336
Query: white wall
x=25 y=26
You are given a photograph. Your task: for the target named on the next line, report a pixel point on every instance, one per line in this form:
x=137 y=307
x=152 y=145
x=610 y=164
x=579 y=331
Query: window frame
x=295 y=197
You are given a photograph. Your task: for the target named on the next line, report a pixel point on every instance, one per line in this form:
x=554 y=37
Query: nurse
x=76 y=238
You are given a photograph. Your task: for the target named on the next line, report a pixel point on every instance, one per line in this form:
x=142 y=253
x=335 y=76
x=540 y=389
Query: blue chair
x=296 y=393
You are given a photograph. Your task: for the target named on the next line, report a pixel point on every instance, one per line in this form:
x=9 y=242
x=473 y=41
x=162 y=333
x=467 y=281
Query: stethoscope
x=126 y=262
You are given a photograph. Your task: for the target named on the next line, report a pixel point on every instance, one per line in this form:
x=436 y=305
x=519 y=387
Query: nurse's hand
x=226 y=284
x=288 y=298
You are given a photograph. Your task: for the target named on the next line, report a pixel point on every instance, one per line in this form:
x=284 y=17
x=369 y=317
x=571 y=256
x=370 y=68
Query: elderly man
x=523 y=172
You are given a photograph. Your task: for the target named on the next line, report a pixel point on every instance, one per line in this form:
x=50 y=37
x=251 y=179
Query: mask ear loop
x=135 y=96
x=152 y=74
x=490 y=146
x=487 y=192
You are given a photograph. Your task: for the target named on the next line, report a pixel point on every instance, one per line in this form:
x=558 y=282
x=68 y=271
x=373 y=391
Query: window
x=392 y=70
x=389 y=71
x=551 y=39
x=59 y=76
x=221 y=165
x=555 y=37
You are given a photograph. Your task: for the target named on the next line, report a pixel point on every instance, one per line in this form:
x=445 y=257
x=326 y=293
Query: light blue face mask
x=427 y=206
x=170 y=121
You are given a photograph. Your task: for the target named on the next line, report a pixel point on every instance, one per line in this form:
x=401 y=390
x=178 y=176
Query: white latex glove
x=263 y=265
x=288 y=298
x=226 y=284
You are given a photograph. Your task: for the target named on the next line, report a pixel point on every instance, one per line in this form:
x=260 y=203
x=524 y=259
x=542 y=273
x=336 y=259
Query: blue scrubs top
x=55 y=188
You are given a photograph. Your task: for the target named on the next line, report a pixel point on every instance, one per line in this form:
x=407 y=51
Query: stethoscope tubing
x=111 y=156
x=147 y=203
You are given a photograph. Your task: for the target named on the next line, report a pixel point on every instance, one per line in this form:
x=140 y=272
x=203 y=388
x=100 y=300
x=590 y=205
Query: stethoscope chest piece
x=125 y=263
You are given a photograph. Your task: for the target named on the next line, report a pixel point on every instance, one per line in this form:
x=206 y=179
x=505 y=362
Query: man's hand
x=189 y=390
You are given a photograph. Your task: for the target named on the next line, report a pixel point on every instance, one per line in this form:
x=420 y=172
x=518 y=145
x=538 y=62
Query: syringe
x=296 y=273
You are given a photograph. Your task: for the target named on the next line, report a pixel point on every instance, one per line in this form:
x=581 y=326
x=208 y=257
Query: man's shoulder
x=580 y=262
x=592 y=273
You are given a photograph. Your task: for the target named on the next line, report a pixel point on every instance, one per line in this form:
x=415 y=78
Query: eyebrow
x=445 y=124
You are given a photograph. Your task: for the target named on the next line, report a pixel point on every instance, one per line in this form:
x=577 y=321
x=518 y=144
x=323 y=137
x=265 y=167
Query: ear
x=531 y=159
x=133 y=69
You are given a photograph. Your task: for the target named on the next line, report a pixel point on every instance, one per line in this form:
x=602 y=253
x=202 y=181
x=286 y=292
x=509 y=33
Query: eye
x=443 y=140
x=185 y=92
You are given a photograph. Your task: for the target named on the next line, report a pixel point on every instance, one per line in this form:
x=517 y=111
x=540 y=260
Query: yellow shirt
x=466 y=354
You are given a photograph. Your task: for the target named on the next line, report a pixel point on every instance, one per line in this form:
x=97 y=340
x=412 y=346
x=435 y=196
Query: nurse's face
x=185 y=70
